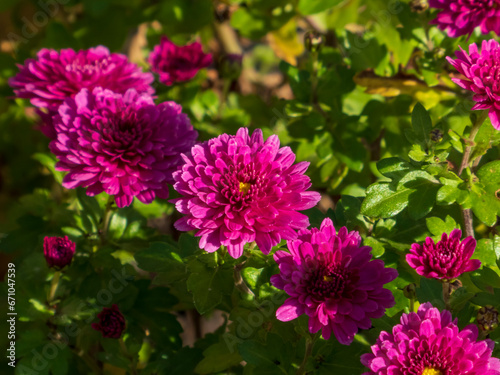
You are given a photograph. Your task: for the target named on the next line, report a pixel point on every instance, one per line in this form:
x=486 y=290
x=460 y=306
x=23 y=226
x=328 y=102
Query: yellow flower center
x=431 y=371
x=244 y=187
x=327 y=278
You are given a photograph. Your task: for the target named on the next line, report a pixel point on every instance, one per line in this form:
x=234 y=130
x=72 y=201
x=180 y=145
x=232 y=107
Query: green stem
x=309 y=347
x=446 y=294
x=104 y=224
x=133 y=363
x=238 y=280
x=53 y=286
x=223 y=97
x=89 y=361
x=412 y=304
x=470 y=143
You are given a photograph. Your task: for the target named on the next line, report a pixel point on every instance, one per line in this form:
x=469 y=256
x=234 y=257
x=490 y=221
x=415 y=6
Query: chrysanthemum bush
x=288 y=188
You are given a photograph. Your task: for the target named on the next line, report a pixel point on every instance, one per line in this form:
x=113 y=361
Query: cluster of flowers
x=110 y=136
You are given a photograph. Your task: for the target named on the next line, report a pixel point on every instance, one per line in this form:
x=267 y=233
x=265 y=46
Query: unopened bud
x=436 y=135
x=410 y=290
x=231 y=65
x=313 y=41
x=419 y=6
x=487 y=318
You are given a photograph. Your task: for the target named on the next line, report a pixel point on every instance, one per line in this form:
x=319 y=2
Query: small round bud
x=230 y=65
x=436 y=135
x=58 y=251
x=487 y=318
x=313 y=41
x=111 y=322
x=419 y=6
x=410 y=291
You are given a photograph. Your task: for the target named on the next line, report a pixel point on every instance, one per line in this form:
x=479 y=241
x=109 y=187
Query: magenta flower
x=111 y=322
x=482 y=76
x=333 y=280
x=177 y=63
x=124 y=145
x=240 y=189
x=430 y=343
x=52 y=77
x=445 y=260
x=461 y=17
x=58 y=251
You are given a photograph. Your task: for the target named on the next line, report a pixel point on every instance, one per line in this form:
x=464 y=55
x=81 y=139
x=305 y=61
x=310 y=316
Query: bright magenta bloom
x=461 y=17
x=482 y=76
x=333 y=280
x=177 y=63
x=54 y=76
x=447 y=259
x=240 y=189
x=430 y=343
x=58 y=251
x=124 y=145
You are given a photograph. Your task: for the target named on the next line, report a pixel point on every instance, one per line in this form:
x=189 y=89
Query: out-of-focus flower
x=430 y=343
x=461 y=17
x=175 y=63
x=445 y=260
x=334 y=280
x=240 y=189
x=124 y=145
x=111 y=322
x=487 y=318
x=53 y=76
x=58 y=251
x=482 y=76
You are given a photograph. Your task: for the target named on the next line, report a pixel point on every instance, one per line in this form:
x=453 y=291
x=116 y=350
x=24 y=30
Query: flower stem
x=446 y=294
x=412 y=304
x=125 y=352
x=53 y=286
x=106 y=217
x=470 y=144
x=238 y=280
x=466 y=213
x=309 y=347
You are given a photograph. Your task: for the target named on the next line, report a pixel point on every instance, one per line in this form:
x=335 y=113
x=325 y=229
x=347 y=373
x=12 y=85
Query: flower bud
x=230 y=66
x=436 y=135
x=419 y=6
x=410 y=291
x=58 y=251
x=487 y=318
x=313 y=41
x=111 y=322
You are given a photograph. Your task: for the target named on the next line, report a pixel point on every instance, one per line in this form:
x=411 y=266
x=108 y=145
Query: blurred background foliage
x=338 y=81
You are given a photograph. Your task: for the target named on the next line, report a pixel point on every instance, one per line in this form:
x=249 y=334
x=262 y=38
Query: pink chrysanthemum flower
x=111 y=324
x=333 y=280
x=430 y=343
x=124 y=145
x=240 y=189
x=445 y=260
x=54 y=76
x=461 y=17
x=482 y=76
x=175 y=63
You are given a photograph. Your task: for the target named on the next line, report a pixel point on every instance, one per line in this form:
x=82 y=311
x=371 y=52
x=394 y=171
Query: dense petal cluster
x=53 y=76
x=175 y=63
x=333 y=280
x=240 y=189
x=430 y=343
x=111 y=322
x=461 y=17
x=58 y=251
x=445 y=260
x=124 y=145
x=482 y=76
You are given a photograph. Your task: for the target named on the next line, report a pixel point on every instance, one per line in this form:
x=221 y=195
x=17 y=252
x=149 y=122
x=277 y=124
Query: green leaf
x=437 y=226
x=161 y=257
x=307 y=7
x=422 y=124
x=394 y=168
x=218 y=357
x=485 y=277
x=382 y=201
x=49 y=162
x=430 y=290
